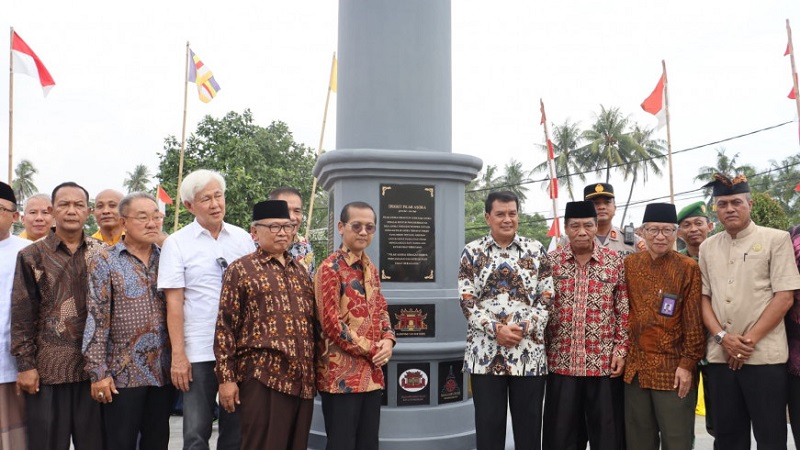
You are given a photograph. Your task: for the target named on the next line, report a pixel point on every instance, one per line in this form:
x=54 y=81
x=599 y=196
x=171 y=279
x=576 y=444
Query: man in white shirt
x=11 y=405
x=193 y=260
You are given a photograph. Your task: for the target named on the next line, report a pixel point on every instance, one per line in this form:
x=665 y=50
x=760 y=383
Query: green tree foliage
x=768 y=212
x=138 y=179
x=253 y=159
x=23 y=184
x=566 y=139
x=610 y=144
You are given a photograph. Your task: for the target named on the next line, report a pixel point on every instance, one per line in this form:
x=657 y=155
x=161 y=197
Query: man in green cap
x=694 y=228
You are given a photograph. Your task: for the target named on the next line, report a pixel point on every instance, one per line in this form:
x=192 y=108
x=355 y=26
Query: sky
x=119 y=74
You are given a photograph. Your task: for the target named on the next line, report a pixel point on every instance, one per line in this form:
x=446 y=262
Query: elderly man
x=37 y=217
x=608 y=235
x=749 y=274
x=106 y=214
x=666 y=338
x=505 y=354
x=694 y=228
x=12 y=406
x=193 y=261
x=125 y=344
x=587 y=338
x=300 y=249
x=356 y=338
x=264 y=342
x=48 y=316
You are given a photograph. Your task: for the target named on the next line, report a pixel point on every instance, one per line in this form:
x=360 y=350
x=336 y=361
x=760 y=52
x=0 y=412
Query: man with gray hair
x=37 y=217
x=193 y=260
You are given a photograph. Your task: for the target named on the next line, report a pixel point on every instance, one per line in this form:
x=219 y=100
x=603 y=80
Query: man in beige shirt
x=749 y=277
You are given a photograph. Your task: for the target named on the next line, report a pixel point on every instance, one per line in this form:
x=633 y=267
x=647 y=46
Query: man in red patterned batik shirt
x=587 y=338
x=357 y=337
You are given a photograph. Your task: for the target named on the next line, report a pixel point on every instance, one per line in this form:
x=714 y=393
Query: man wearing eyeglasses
x=300 y=249
x=106 y=214
x=193 y=260
x=125 y=343
x=264 y=342
x=357 y=338
x=48 y=317
x=505 y=284
x=666 y=338
x=749 y=275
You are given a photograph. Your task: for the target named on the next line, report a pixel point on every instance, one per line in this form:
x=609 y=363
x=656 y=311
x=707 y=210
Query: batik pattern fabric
x=588 y=323
x=302 y=252
x=126 y=335
x=499 y=286
x=353 y=318
x=659 y=342
x=265 y=326
x=792 y=318
x=48 y=308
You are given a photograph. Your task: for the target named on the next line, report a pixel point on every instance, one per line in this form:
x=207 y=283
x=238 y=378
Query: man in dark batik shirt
x=48 y=313
x=264 y=342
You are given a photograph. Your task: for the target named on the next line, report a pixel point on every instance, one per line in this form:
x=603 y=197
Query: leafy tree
x=566 y=138
x=652 y=152
x=253 y=159
x=23 y=184
x=768 y=212
x=512 y=178
x=138 y=179
x=609 y=143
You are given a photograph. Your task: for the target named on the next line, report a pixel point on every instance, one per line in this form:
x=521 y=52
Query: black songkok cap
x=660 y=212
x=724 y=185
x=271 y=209
x=6 y=193
x=580 y=210
x=598 y=190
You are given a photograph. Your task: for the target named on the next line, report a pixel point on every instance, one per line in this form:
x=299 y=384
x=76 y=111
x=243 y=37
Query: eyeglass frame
x=370 y=228
x=144 y=220
x=276 y=231
x=660 y=231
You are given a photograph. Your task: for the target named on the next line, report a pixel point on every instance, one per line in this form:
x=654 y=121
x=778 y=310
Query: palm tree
x=138 y=179
x=566 y=138
x=726 y=165
x=23 y=184
x=610 y=145
x=512 y=179
x=646 y=161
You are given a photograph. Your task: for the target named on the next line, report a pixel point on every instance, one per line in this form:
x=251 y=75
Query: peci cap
x=724 y=185
x=660 y=212
x=580 y=210
x=271 y=209
x=6 y=193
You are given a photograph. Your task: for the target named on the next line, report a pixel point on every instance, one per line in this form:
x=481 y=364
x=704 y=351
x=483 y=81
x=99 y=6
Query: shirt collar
x=121 y=247
x=53 y=241
x=748 y=230
x=198 y=229
x=597 y=254
x=489 y=241
x=350 y=258
x=266 y=257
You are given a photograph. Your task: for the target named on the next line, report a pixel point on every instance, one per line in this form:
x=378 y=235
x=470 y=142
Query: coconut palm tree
x=649 y=159
x=138 y=179
x=609 y=143
x=566 y=138
x=23 y=184
x=512 y=179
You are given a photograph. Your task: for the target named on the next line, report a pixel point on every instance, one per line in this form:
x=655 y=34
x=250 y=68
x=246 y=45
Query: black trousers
x=352 y=421
x=493 y=395
x=139 y=411
x=707 y=388
x=59 y=413
x=575 y=403
x=755 y=394
x=794 y=408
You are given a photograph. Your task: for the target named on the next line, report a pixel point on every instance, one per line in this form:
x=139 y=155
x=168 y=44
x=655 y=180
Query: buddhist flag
x=333 y=85
x=26 y=62
x=163 y=199
x=656 y=103
x=199 y=74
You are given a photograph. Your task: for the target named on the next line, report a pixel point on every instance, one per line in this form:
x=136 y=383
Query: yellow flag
x=334 y=69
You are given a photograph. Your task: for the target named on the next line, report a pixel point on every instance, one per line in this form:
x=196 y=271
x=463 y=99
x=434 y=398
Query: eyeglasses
x=4 y=209
x=222 y=263
x=143 y=218
x=358 y=226
x=654 y=231
x=275 y=228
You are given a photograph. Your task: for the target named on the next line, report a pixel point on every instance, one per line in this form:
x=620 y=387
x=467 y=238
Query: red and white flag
x=163 y=199
x=26 y=62
x=656 y=103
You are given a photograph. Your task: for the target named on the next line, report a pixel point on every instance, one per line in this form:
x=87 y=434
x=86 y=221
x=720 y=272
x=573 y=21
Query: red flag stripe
x=45 y=79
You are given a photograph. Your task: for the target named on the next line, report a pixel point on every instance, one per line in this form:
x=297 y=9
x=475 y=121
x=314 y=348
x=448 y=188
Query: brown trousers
x=272 y=420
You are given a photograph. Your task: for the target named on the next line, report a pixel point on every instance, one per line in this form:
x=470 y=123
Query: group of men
x=600 y=340
x=100 y=331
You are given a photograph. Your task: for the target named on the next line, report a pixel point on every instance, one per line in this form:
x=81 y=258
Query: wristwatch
x=720 y=336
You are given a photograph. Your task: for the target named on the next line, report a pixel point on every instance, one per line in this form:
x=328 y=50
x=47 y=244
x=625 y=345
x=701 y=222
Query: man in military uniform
x=694 y=228
x=602 y=195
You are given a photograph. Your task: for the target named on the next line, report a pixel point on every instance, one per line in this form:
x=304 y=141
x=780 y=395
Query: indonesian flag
x=26 y=62
x=163 y=199
x=656 y=103
x=555 y=234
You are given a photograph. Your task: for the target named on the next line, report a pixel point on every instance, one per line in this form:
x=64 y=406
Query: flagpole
x=551 y=164
x=177 y=204
x=669 y=134
x=794 y=70
x=10 y=104
x=319 y=149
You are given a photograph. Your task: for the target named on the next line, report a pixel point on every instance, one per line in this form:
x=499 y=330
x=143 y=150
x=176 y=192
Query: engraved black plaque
x=407 y=244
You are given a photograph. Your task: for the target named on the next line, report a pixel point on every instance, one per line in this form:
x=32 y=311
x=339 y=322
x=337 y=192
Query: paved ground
x=703 y=440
